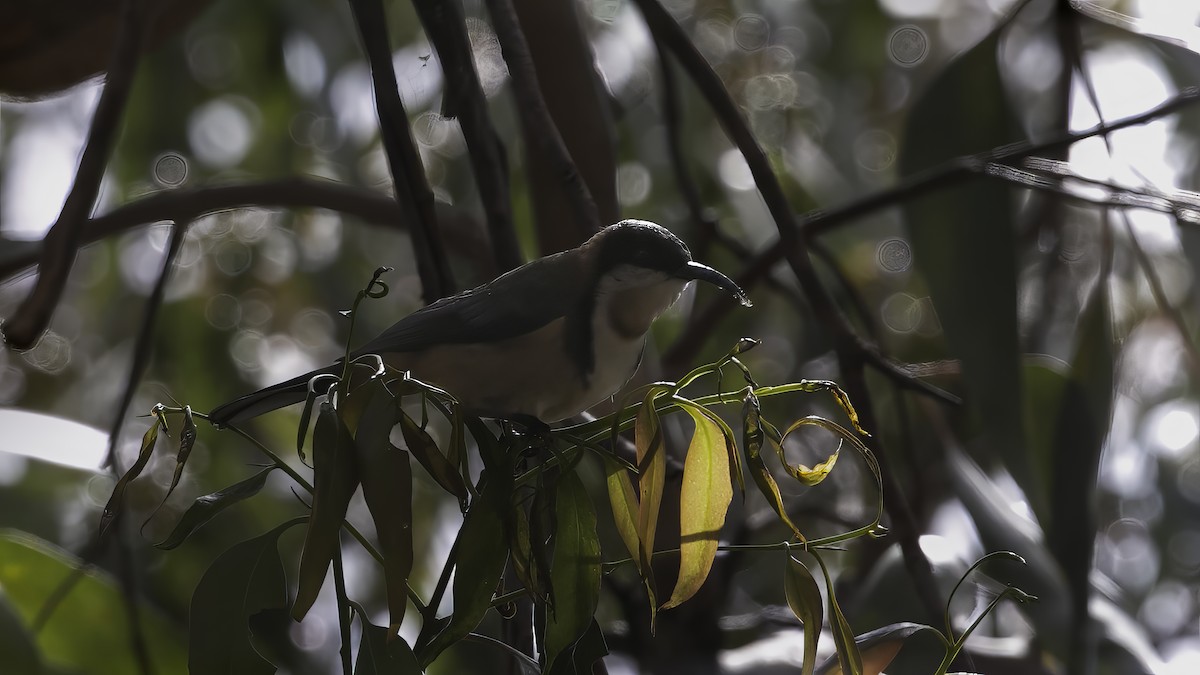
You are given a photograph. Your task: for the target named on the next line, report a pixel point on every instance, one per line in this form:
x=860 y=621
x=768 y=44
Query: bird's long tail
x=271 y=398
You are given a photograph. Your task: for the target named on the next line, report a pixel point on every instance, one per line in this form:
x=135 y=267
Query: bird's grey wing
x=515 y=303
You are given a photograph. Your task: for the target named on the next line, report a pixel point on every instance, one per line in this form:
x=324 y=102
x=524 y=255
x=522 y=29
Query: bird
x=542 y=342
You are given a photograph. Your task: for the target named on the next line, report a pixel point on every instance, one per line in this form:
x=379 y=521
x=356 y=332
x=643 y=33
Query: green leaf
x=118 y=494
x=88 y=632
x=387 y=488
x=425 y=449
x=624 y=507
x=18 y=652
x=800 y=472
x=703 y=502
x=584 y=654
x=336 y=478
x=843 y=637
x=480 y=555
x=752 y=441
x=206 y=507
x=964 y=244
x=575 y=573
x=379 y=653
x=310 y=400
x=804 y=598
x=243 y=581
x=878 y=647
x=652 y=472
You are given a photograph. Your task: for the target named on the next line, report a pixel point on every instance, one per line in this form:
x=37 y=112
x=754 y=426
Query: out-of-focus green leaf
x=379 y=653
x=878 y=648
x=752 y=441
x=843 y=637
x=480 y=556
x=800 y=472
x=243 y=581
x=425 y=449
x=652 y=472
x=89 y=630
x=18 y=652
x=964 y=244
x=804 y=598
x=206 y=507
x=1084 y=416
x=703 y=502
x=387 y=488
x=335 y=478
x=118 y=494
x=575 y=573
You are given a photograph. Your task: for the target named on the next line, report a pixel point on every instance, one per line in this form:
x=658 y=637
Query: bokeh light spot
x=908 y=46
x=751 y=32
x=894 y=255
x=170 y=170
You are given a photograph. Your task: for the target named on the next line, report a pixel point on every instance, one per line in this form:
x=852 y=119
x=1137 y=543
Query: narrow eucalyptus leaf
x=118 y=494
x=575 y=574
x=425 y=449
x=387 y=488
x=335 y=478
x=703 y=502
x=804 y=598
x=205 y=507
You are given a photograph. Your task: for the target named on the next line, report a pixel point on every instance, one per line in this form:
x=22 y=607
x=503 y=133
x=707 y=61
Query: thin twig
x=445 y=24
x=942 y=176
x=530 y=104
x=411 y=187
x=62 y=242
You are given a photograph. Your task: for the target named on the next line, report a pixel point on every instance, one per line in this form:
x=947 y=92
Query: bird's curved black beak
x=699 y=272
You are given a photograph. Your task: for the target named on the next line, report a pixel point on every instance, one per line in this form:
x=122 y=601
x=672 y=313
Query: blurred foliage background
x=1052 y=289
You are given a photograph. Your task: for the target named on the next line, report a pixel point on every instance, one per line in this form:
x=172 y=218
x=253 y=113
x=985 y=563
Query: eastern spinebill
x=545 y=341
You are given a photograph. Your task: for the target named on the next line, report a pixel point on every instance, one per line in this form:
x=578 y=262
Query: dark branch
x=408 y=173
x=532 y=106
x=446 y=26
x=62 y=242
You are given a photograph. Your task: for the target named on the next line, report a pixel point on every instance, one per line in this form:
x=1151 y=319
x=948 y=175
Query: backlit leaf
x=804 y=598
x=878 y=647
x=575 y=572
x=624 y=508
x=88 y=631
x=801 y=472
x=843 y=637
x=752 y=441
x=652 y=467
x=703 y=502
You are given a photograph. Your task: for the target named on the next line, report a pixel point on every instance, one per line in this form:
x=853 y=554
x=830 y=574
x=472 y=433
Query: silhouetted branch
x=942 y=176
x=445 y=25
x=408 y=173
x=62 y=242
x=530 y=105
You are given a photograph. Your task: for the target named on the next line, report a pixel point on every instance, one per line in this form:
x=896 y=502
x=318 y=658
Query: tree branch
x=62 y=242
x=445 y=24
x=542 y=134
x=408 y=173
